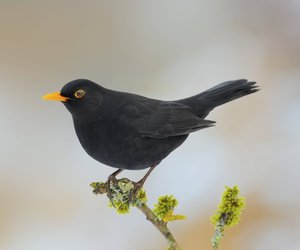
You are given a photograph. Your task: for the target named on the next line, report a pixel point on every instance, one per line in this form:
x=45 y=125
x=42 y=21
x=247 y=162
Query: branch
x=121 y=198
x=160 y=225
x=121 y=191
x=228 y=213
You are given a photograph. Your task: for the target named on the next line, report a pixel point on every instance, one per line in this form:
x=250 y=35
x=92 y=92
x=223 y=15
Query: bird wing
x=165 y=119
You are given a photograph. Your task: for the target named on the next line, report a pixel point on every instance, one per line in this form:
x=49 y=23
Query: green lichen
x=230 y=208
x=228 y=213
x=123 y=195
x=165 y=207
x=98 y=187
x=140 y=198
x=121 y=191
x=121 y=208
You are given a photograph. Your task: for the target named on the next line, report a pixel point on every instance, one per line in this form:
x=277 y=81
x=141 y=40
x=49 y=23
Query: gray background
x=160 y=49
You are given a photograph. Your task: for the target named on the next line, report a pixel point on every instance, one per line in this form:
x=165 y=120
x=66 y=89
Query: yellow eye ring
x=79 y=93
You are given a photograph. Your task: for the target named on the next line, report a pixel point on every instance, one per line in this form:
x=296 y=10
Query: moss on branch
x=228 y=213
x=120 y=195
x=120 y=199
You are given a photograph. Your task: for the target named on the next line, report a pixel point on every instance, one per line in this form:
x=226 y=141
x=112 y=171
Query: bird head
x=79 y=96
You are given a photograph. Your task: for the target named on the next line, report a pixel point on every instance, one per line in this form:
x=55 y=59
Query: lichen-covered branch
x=160 y=225
x=120 y=194
x=228 y=213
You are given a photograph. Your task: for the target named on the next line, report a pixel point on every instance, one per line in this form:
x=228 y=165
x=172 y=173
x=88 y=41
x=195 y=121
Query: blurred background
x=166 y=50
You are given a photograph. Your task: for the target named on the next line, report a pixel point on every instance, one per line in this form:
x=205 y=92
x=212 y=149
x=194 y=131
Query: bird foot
x=113 y=183
x=134 y=192
x=112 y=180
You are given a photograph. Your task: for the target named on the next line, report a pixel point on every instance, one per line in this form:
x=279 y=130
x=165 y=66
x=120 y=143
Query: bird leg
x=112 y=179
x=139 y=184
x=136 y=185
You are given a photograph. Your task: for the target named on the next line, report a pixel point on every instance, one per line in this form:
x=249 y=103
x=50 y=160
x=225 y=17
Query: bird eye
x=79 y=93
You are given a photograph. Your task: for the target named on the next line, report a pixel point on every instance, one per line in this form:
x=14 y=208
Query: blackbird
x=128 y=131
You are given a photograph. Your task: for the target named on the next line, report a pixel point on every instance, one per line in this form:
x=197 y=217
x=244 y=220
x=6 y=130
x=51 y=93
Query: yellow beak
x=56 y=96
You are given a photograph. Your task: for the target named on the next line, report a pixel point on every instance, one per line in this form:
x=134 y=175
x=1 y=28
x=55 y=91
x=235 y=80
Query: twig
x=160 y=225
x=228 y=213
x=122 y=190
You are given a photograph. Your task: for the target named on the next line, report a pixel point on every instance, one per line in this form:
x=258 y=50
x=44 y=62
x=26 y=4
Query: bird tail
x=206 y=101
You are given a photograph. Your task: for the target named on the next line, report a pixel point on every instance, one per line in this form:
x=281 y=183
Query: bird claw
x=129 y=196
x=134 y=192
x=111 y=179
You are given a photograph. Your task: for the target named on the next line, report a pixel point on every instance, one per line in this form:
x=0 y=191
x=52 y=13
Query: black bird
x=128 y=131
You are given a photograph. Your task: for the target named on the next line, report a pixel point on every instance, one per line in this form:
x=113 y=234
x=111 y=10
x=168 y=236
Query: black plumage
x=129 y=131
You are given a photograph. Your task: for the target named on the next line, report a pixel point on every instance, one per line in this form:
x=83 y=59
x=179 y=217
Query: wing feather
x=165 y=120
